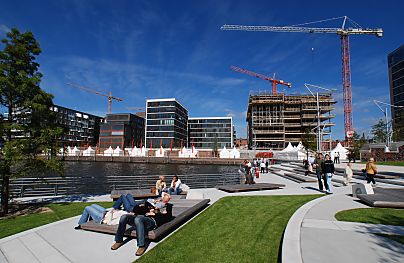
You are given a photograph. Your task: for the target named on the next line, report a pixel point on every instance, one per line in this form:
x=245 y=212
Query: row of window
x=208 y=125
x=209 y=121
x=398 y=82
x=212 y=130
x=398 y=74
x=210 y=140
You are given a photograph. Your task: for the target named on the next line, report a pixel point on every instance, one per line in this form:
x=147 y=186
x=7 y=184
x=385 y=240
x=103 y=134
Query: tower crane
x=344 y=33
x=109 y=95
x=260 y=76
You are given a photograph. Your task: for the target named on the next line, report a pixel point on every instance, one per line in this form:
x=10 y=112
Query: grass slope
x=14 y=225
x=385 y=216
x=234 y=229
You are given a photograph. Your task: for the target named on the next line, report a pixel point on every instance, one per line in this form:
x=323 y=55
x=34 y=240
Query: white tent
x=142 y=152
x=300 y=147
x=160 y=152
x=288 y=148
x=118 y=152
x=89 y=152
x=343 y=152
x=235 y=153
x=134 y=152
x=109 y=151
x=224 y=153
x=193 y=152
x=69 y=150
x=183 y=153
x=74 y=152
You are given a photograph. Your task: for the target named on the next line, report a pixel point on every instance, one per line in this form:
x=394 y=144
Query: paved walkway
x=321 y=242
x=323 y=239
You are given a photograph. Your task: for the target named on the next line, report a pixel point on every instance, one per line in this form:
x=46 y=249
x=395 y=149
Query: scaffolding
x=277 y=119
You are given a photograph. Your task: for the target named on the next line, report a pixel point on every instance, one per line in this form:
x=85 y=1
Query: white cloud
x=4 y=29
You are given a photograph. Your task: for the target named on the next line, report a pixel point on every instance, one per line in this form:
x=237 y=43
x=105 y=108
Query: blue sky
x=157 y=49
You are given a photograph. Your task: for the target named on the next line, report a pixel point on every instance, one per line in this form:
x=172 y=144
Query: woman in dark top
x=328 y=171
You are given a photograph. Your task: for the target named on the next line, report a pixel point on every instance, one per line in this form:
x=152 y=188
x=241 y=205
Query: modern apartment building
x=396 y=77
x=166 y=123
x=211 y=132
x=82 y=128
x=277 y=119
x=121 y=129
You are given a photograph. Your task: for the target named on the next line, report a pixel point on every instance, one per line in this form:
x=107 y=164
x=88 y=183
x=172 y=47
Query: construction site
x=277 y=119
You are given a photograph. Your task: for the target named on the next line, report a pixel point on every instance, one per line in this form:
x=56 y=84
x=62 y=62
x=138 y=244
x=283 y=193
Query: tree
x=30 y=126
x=379 y=131
x=309 y=141
x=357 y=143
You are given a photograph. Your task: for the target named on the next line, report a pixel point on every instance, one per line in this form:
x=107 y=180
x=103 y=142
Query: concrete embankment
x=173 y=160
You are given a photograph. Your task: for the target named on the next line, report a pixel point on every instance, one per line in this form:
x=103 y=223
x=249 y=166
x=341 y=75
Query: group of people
x=325 y=170
x=145 y=215
x=174 y=189
x=252 y=169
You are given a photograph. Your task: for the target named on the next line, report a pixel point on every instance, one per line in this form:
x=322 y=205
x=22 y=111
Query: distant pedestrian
x=338 y=157
x=371 y=170
x=348 y=174
x=318 y=165
x=328 y=171
x=335 y=158
x=262 y=166
x=266 y=165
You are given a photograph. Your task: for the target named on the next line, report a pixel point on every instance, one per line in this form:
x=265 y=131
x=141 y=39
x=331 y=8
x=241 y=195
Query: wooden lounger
x=183 y=210
x=249 y=187
x=384 y=197
x=137 y=194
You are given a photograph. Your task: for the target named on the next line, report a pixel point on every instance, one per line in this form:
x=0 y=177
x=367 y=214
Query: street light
x=386 y=117
x=318 y=111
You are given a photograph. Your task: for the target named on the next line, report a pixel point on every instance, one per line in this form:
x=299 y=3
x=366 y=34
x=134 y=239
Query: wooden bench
x=139 y=194
x=183 y=210
x=249 y=187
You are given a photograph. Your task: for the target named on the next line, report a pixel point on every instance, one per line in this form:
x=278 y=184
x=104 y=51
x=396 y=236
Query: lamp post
x=319 y=140
x=386 y=118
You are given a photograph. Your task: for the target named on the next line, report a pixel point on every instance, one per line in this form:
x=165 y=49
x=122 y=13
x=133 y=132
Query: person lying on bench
x=152 y=219
x=101 y=215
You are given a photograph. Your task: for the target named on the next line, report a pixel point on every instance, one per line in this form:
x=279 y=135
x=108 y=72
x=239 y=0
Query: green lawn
x=234 y=229
x=11 y=226
x=392 y=163
x=386 y=216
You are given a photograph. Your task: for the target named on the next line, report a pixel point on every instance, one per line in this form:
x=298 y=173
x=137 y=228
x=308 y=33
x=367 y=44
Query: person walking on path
x=348 y=174
x=328 y=171
x=262 y=166
x=266 y=165
x=371 y=170
x=338 y=157
x=319 y=172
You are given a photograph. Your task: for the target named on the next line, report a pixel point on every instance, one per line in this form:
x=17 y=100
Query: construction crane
x=109 y=95
x=260 y=76
x=344 y=34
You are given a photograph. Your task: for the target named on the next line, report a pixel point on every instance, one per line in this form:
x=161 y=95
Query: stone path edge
x=291 y=249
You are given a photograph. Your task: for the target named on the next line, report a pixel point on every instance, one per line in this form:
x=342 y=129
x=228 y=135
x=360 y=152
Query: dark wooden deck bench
x=138 y=194
x=384 y=197
x=183 y=210
x=249 y=187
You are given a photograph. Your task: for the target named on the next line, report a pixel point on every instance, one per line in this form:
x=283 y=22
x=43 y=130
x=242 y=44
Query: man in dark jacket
x=318 y=162
x=155 y=217
x=328 y=171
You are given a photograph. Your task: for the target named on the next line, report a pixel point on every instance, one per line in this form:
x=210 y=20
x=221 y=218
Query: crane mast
x=344 y=34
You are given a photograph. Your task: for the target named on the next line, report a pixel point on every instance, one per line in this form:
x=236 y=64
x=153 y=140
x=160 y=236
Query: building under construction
x=274 y=120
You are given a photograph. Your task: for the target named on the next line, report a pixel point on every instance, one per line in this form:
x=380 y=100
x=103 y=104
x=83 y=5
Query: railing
x=52 y=186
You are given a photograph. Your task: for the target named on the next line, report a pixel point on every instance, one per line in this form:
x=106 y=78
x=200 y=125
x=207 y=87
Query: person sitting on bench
x=99 y=213
x=175 y=188
x=152 y=219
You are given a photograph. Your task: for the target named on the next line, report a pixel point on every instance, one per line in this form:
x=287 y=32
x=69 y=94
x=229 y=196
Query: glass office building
x=123 y=130
x=166 y=123
x=396 y=77
x=82 y=128
x=211 y=132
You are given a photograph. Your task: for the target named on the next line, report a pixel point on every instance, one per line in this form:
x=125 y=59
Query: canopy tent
x=89 y=152
x=234 y=153
x=142 y=152
x=109 y=151
x=160 y=152
x=133 y=152
x=288 y=148
x=224 y=153
x=118 y=152
x=74 y=152
x=193 y=152
x=300 y=147
x=183 y=153
x=343 y=152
